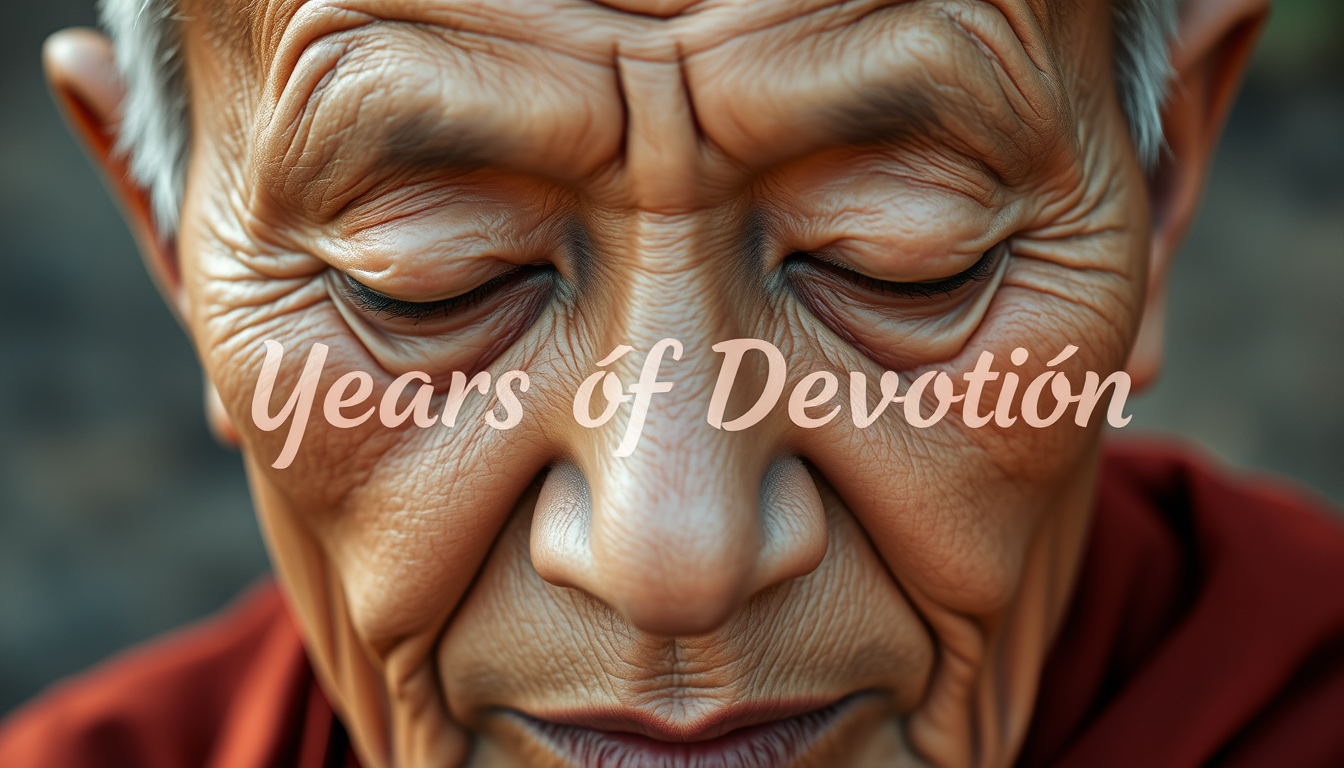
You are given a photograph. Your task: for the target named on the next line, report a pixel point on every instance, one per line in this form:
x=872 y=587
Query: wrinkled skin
x=659 y=163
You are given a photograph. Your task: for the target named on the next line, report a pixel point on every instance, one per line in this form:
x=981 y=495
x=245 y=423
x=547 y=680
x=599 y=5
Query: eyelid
x=372 y=301
x=982 y=270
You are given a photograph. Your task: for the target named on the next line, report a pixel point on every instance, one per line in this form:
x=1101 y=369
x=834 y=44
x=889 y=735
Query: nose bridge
x=674 y=271
x=677 y=280
x=676 y=523
x=674 y=535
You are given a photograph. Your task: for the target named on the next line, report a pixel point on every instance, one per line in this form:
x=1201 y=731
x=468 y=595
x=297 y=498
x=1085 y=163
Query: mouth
x=770 y=736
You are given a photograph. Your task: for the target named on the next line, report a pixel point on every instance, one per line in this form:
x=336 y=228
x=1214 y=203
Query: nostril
x=560 y=524
x=678 y=560
x=793 y=522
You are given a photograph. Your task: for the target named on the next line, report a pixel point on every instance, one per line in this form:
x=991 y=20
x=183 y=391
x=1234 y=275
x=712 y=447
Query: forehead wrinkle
x=729 y=22
x=1036 y=95
x=331 y=114
x=301 y=25
x=323 y=17
x=570 y=27
x=725 y=21
x=585 y=29
x=1035 y=27
x=875 y=93
x=383 y=124
x=700 y=27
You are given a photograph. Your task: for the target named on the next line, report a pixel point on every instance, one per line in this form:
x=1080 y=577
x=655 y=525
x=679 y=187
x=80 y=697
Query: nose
x=677 y=545
x=676 y=530
x=678 y=533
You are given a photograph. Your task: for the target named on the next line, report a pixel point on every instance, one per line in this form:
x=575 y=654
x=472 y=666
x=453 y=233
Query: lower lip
x=769 y=745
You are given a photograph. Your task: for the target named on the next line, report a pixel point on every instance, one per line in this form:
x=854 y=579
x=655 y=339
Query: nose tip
x=679 y=558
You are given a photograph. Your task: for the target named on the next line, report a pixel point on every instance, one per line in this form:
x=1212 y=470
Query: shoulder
x=165 y=703
x=1251 y=534
x=1253 y=672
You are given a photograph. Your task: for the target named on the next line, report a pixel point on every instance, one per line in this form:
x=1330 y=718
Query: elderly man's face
x=459 y=186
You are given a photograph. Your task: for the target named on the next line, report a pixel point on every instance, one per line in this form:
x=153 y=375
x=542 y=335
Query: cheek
x=954 y=509
x=416 y=512
x=399 y=516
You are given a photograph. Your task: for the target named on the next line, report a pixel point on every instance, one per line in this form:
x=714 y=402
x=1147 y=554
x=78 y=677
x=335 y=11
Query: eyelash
x=981 y=270
x=372 y=301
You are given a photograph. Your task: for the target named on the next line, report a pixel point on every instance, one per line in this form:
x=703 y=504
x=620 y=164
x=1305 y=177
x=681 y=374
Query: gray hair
x=156 y=122
x=155 y=117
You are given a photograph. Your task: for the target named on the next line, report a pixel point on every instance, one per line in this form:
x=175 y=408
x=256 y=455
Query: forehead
x=764 y=33
x=549 y=85
x=587 y=28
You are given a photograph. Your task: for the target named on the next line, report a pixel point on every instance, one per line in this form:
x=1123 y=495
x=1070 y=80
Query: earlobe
x=1145 y=359
x=1214 y=42
x=217 y=417
x=82 y=74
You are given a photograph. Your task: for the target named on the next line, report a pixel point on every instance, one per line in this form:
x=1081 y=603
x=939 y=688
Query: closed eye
x=981 y=270
x=377 y=303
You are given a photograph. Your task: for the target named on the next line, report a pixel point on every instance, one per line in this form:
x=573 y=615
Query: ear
x=1212 y=48
x=82 y=74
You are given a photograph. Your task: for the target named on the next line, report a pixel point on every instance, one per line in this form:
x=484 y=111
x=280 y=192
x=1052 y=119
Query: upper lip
x=752 y=735
x=713 y=725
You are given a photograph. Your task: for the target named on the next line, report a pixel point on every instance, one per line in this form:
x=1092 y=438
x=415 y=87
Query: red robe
x=1207 y=630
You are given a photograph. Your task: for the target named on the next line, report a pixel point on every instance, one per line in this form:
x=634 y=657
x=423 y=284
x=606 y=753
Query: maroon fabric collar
x=1207 y=626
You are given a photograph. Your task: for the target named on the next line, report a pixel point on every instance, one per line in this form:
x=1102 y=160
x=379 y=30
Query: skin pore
x=624 y=172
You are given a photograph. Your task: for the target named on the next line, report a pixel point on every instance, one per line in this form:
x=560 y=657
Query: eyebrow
x=881 y=114
x=884 y=114
x=895 y=113
x=421 y=141
x=426 y=141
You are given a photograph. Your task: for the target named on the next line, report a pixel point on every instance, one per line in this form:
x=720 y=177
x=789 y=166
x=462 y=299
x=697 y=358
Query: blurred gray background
x=120 y=518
